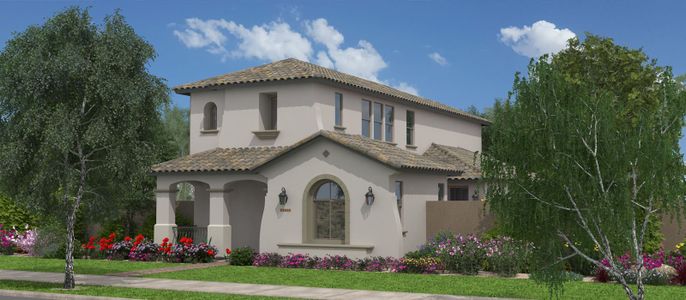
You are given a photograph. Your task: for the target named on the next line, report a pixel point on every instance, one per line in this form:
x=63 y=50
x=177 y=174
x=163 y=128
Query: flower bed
x=143 y=249
x=659 y=268
x=12 y=240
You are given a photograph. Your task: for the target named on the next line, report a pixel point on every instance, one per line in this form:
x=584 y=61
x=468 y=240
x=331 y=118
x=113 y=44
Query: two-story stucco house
x=294 y=157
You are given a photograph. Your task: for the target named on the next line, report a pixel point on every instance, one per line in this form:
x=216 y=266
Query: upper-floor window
x=378 y=120
x=268 y=111
x=339 y=109
x=388 y=120
x=210 y=116
x=409 y=124
x=366 y=117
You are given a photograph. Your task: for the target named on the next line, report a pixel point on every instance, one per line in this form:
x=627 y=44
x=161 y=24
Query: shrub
x=144 y=249
x=269 y=259
x=506 y=256
x=298 y=261
x=375 y=264
x=121 y=250
x=335 y=262
x=8 y=240
x=679 y=264
x=51 y=242
x=571 y=276
x=242 y=256
x=13 y=215
x=26 y=241
x=423 y=265
x=461 y=254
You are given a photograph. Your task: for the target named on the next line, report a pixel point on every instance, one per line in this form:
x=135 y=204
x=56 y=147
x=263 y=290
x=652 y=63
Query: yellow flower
x=679 y=246
x=596 y=249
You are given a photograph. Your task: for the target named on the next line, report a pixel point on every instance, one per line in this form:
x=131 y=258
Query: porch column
x=219 y=230
x=165 y=215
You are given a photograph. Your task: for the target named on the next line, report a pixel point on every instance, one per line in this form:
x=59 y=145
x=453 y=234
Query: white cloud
x=407 y=88
x=276 y=41
x=540 y=38
x=273 y=41
x=363 y=61
x=438 y=58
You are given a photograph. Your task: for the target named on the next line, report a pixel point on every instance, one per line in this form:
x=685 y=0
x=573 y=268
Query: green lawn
x=119 y=292
x=81 y=266
x=434 y=284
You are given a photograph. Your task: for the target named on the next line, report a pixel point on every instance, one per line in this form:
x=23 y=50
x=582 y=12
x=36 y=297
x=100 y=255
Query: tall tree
x=78 y=112
x=584 y=153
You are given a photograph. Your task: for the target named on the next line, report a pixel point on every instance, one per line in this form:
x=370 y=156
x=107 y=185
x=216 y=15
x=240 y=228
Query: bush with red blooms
x=187 y=252
x=89 y=247
x=121 y=250
x=144 y=249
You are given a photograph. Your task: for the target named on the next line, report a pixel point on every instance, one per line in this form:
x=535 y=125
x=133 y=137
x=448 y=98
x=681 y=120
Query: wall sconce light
x=283 y=197
x=369 y=197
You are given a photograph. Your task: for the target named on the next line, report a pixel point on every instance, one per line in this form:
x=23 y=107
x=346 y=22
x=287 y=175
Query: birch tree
x=77 y=113
x=583 y=153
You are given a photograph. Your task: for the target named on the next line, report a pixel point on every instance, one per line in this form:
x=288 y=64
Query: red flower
x=210 y=252
x=228 y=251
x=165 y=240
x=127 y=239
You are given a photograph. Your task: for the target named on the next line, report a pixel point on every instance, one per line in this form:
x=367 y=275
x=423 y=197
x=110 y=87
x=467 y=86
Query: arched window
x=328 y=212
x=210 y=118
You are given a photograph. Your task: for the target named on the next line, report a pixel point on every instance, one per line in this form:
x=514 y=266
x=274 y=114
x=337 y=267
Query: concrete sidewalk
x=223 y=287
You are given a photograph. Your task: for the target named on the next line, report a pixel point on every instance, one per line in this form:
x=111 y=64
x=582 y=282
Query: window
x=409 y=124
x=210 y=116
x=366 y=117
x=378 y=120
x=441 y=191
x=329 y=212
x=339 y=109
x=388 y=119
x=268 y=111
x=458 y=193
x=399 y=197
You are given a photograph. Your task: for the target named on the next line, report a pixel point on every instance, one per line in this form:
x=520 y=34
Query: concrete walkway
x=223 y=287
x=27 y=295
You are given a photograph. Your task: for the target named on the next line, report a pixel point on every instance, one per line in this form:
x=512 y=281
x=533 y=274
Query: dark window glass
x=458 y=193
x=210 y=116
x=388 y=119
x=378 y=120
x=329 y=212
x=409 y=124
x=366 y=117
x=339 y=109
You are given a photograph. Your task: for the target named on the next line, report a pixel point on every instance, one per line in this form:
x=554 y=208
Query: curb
x=43 y=295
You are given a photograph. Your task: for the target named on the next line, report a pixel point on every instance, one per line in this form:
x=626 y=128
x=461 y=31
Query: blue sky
x=458 y=52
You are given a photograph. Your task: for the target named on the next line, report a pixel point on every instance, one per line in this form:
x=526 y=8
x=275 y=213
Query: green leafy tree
x=583 y=153
x=176 y=124
x=78 y=113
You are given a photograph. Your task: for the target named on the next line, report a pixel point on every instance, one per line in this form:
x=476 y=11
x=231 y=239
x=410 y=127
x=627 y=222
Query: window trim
x=308 y=211
x=212 y=115
x=386 y=125
x=410 y=130
x=338 y=110
x=441 y=191
x=367 y=121
x=268 y=106
x=380 y=121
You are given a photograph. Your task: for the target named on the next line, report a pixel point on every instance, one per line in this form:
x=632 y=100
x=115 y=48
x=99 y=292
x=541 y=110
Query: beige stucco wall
x=246 y=203
x=377 y=225
x=306 y=106
x=463 y=217
x=418 y=189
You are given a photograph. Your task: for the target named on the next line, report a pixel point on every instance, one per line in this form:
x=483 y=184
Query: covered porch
x=224 y=209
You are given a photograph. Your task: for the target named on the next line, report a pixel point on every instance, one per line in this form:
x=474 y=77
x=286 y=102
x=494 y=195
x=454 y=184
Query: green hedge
x=13 y=215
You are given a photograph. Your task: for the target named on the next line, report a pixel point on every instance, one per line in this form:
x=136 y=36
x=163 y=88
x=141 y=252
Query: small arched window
x=210 y=118
x=329 y=212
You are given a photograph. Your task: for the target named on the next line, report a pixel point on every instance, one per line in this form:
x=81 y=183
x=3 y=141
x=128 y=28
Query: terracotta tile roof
x=460 y=158
x=218 y=159
x=289 y=69
x=251 y=158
